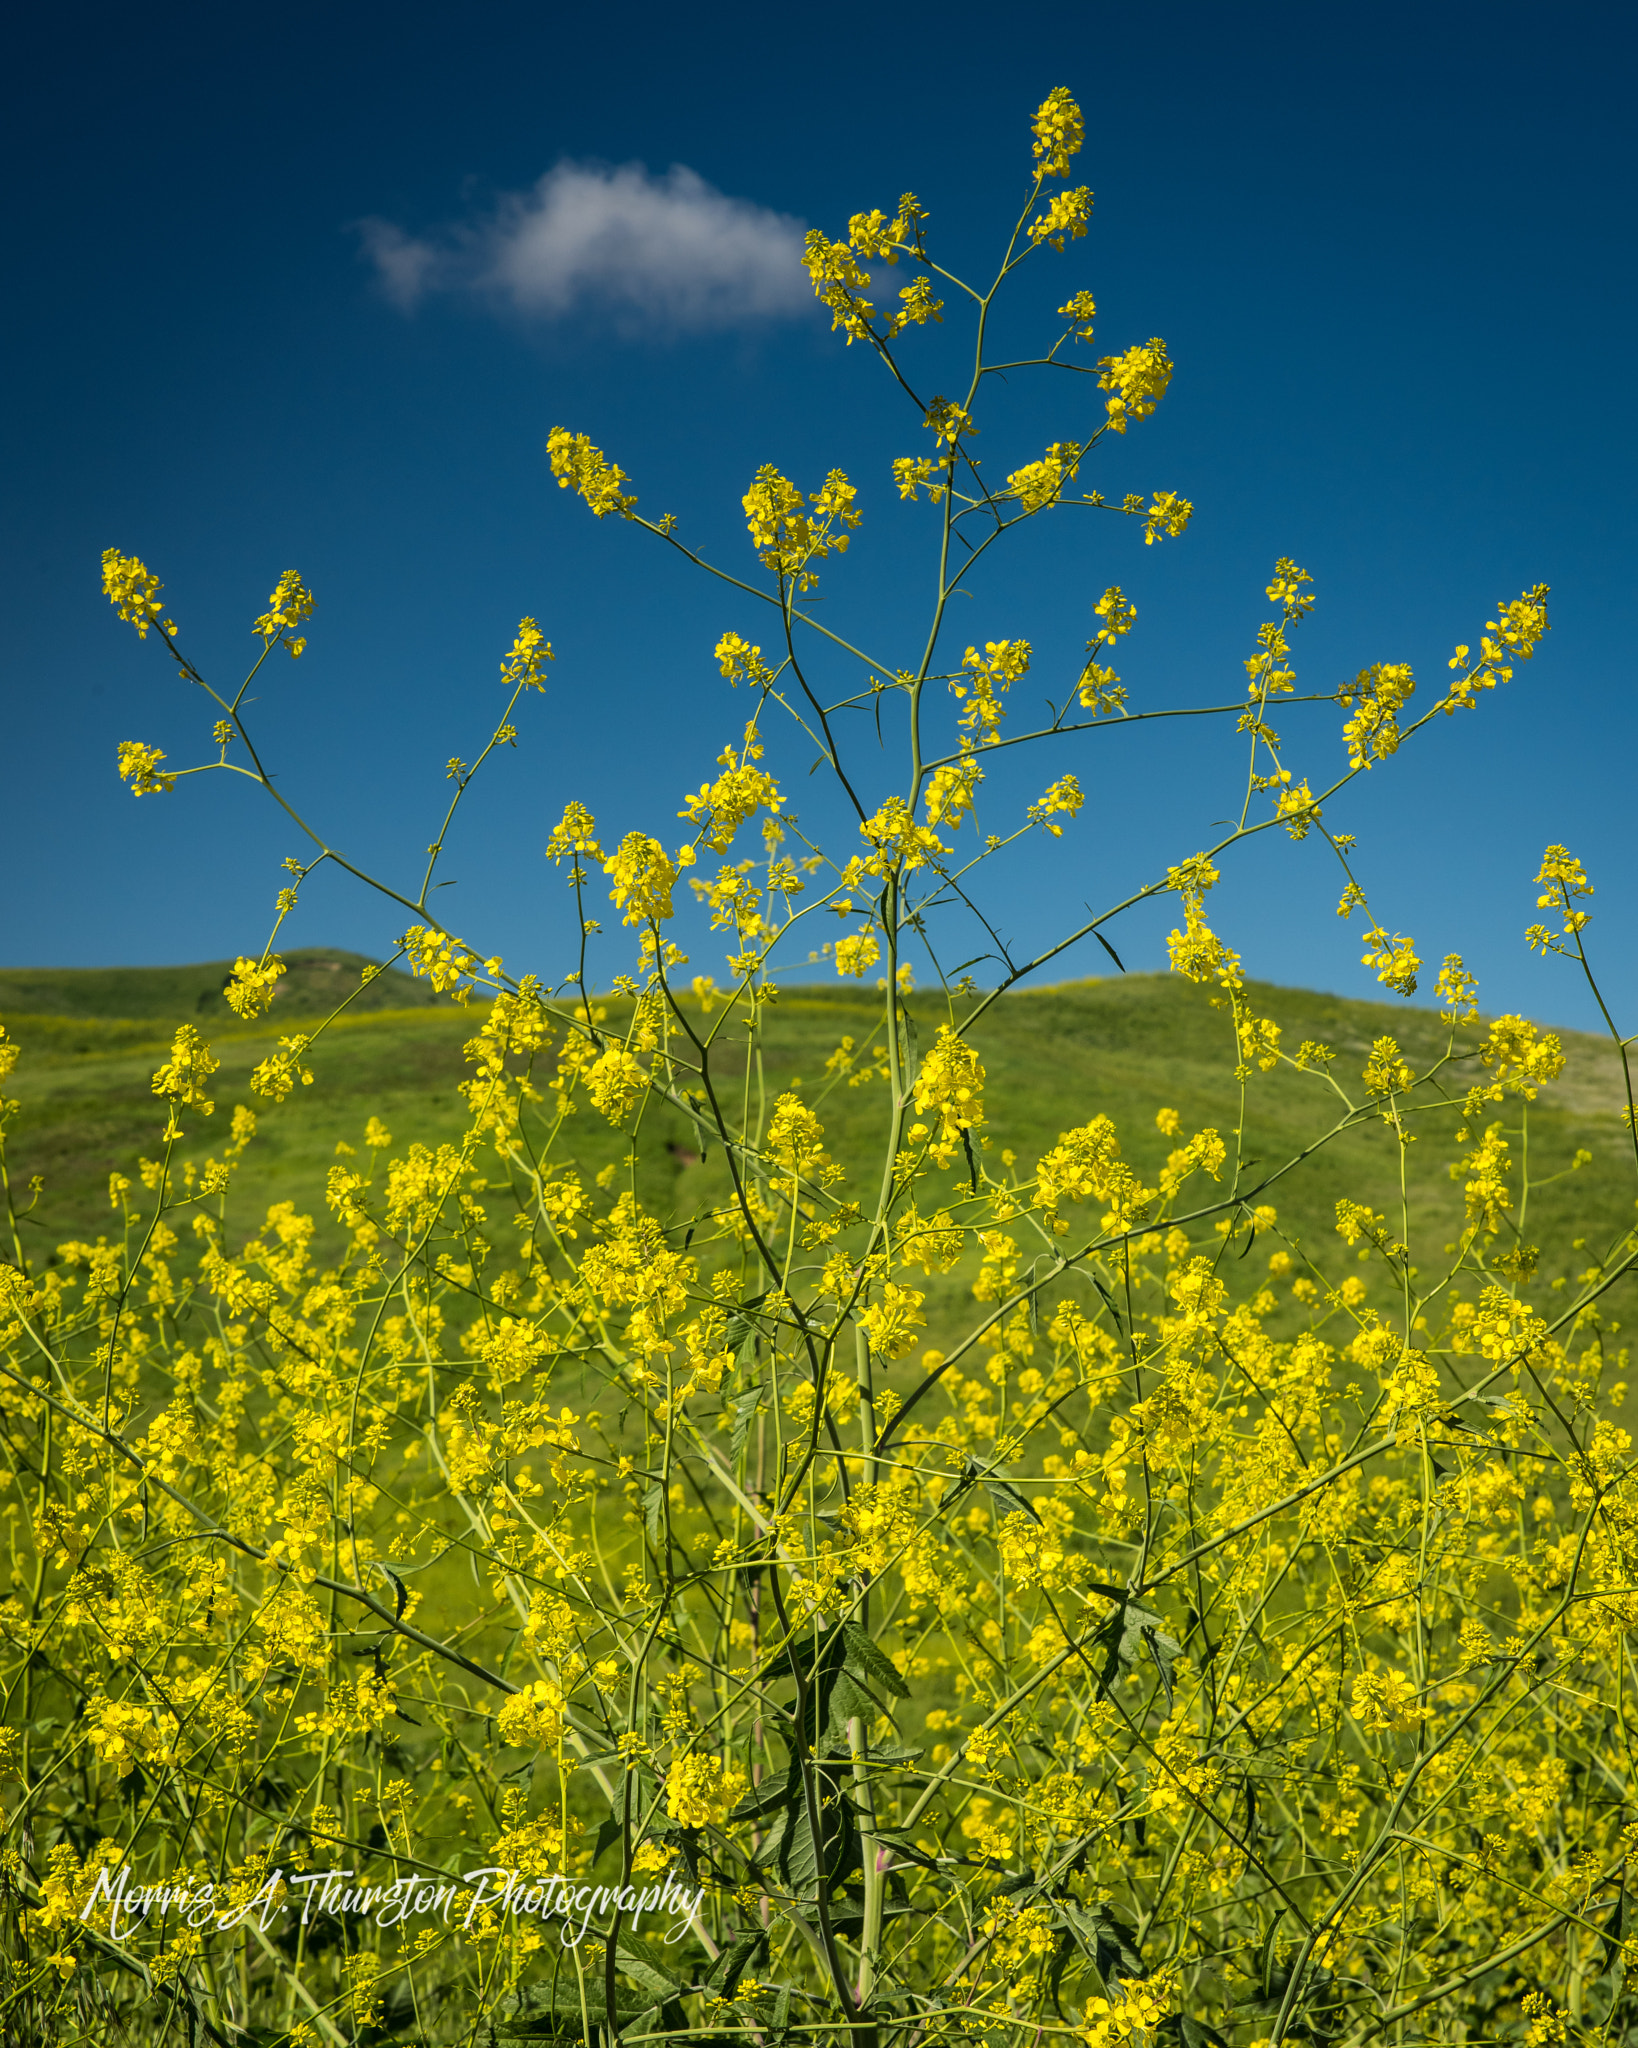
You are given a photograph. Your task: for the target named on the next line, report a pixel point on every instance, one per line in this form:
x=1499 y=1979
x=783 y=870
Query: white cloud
x=667 y=251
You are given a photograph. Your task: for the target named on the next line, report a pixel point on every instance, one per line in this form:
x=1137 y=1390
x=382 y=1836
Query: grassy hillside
x=315 y=979
x=1123 y=1046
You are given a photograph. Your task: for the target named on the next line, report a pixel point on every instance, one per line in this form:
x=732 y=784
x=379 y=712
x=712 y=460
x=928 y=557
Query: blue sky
x=292 y=293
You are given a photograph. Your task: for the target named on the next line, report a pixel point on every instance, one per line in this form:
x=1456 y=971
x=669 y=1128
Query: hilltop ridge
x=316 y=978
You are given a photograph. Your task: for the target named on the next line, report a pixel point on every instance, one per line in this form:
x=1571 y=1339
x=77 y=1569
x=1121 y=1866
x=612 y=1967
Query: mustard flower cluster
x=139 y=766
x=133 y=590
x=786 y=535
x=289 y=606
x=579 y=466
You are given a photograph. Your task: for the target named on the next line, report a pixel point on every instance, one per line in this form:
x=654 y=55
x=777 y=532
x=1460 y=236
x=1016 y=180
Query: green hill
x=1123 y=1046
x=315 y=979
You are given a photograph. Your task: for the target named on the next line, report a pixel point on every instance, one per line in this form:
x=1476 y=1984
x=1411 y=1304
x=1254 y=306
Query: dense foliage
x=554 y=1618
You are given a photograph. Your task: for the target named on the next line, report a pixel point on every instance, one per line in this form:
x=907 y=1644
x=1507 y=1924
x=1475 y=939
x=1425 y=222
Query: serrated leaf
x=1130 y=1635
x=867 y=1656
x=553 y=2010
x=1164 y=1652
x=884 y=1752
x=1615 y=1931
x=904 y=1847
x=647 y=1979
x=741 y=1332
x=852 y=1923
x=795 y=1856
x=664 y=1964
x=848 y=1699
x=734 y=1961
x=1190 y=2033
x=745 y=1410
x=767 y=1798
x=1108 y=1941
x=798 y=1861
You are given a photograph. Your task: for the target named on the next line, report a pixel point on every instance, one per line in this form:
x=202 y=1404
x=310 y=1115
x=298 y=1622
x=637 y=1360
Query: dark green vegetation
x=1125 y=1047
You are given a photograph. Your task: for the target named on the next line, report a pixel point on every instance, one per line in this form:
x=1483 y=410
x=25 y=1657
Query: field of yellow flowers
x=903 y=1574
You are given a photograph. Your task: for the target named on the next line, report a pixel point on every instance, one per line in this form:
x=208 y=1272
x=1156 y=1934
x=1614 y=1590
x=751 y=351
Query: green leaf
x=893 y=1752
x=400 y=1592
x=646 y=1979
x=1109 y=1942
x=745 y=1410
x=1129 y=1635
x=816 y=1664
x=994 y=1480
x=905 y=1849
x=848 y=1699
x=1313 y=2013
x=767 y=1798
x=1265 y=1962
x=552 y=2010
x=865 y=1655
x=684 y=1841
x=656 y=1981
x=1108 y=1302
x=660 y=1960
x=1615 y=1931
x=734 y=1961
x=1190 y=2033
x=851 y=1923
x=742 y=1330
x=1067 y=1946
x=792 y=1850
